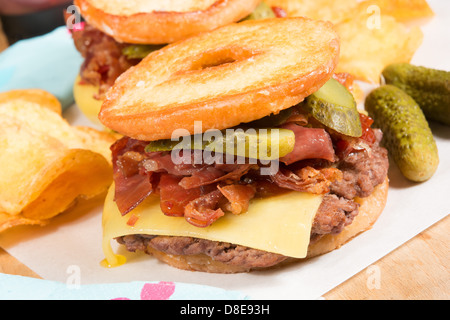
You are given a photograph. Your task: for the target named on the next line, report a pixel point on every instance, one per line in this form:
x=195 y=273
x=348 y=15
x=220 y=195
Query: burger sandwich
x=241 y=150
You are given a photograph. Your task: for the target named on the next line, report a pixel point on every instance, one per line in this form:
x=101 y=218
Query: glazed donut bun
x=161 y=22
x=234 y=74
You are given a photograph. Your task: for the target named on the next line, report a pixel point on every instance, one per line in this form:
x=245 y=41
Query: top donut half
x=234 y=74
x=161 y=22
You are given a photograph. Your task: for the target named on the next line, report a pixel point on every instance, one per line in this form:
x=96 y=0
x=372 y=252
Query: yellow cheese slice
x=279 y=224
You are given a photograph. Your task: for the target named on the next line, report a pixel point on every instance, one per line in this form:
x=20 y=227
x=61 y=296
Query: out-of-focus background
x=3 y=41
x=18 y=18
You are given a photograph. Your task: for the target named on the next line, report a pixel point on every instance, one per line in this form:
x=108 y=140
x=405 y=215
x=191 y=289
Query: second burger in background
x=118 y=34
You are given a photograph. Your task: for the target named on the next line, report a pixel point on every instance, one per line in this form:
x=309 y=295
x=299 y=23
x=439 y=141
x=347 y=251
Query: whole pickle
x=430 y=88
x=406 y=133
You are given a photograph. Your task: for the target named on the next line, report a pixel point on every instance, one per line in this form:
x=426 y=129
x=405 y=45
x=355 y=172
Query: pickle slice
x=161 y=145
x=334 y=106
x=139 y=51
x=262 y=11
x=261 y=144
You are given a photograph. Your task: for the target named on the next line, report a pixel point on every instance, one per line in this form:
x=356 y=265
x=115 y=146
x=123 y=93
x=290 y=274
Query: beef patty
x=333 y=214
x=362 y=172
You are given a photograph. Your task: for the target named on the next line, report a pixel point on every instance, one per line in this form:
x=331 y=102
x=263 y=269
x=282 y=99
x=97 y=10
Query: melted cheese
x=279 y=224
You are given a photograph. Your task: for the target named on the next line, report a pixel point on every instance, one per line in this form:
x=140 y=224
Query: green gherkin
x=262 y=11
x=139 y=51
x=407 y=135
x=334 y=106
x=262 y=144
x=430 y=88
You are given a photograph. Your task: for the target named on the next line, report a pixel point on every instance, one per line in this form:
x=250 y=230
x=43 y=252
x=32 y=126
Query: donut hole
x=221 y=57
x=219 y=62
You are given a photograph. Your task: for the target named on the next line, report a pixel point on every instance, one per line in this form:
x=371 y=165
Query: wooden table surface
x=417 y=270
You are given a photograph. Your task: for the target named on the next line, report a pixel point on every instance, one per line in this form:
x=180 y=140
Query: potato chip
x=401 y=10
x=39 y=97
x=372 y=31
x=25 y=153
x=34 y=111
x=46 y=164
x=97 y=141
x=7 y=221
x=77 y=174
x=371 y=42
x=337 y=11
x=330 y=10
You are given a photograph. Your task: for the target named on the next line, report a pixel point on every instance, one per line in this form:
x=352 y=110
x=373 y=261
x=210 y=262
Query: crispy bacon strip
x=239 y=196
x=141 y=187
x=173 y=197
x=127 y=176
x=310 y=143
x=162 y=162
x=279 y=12
x=209 y=175
x=345 y=78
x=206 y=175
x=202 y=211
x=307 y=179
